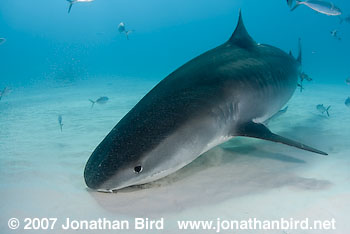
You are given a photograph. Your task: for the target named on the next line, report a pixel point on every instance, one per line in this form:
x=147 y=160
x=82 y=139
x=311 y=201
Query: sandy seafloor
x=41 y=168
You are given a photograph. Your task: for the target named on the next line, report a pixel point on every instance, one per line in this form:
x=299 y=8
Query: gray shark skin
x=228 y=91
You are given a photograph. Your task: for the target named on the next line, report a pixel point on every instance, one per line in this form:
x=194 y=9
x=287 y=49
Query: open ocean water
x=54 y=62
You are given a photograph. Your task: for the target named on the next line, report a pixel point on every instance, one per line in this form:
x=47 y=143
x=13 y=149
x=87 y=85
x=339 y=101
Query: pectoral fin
x=260 y=131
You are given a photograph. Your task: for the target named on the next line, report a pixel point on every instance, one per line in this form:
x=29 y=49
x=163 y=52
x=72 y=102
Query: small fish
x=277 y=115
x=347 y=102
x=4 y=92
x=347 y=81
x=335 y=34
x=304 y=76
x=2 y=40
x=301 y=87
x=101 y=100
x=71 y=2
x=122 y=29
x=322 y=109
x=327 y=8
x=60 y=122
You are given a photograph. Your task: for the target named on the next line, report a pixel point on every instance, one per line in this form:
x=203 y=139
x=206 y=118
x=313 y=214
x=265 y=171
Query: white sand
x=41 y=169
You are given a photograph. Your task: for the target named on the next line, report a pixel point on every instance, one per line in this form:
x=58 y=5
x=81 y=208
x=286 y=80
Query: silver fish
x=300 y=85
x=347 y=80
x=347 y=102
x=322 y=109
x=122 y=29
x=4 y=92
x=304 y=76
x=2 y=40
x=327 y=8
x=101 y=100
x=335 y=34
x=60 y=122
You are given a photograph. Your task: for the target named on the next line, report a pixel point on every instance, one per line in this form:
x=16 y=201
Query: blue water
x=54 y=62
x=43 y=40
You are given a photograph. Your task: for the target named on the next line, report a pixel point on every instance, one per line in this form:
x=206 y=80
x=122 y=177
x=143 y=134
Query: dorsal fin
x=240 y=36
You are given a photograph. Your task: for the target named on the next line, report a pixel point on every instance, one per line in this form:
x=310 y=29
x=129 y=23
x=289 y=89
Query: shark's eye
x=137 y=169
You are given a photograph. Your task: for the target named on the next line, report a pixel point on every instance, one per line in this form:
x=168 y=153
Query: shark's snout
x=94 y=175
x=100 y=167
x=112 y=166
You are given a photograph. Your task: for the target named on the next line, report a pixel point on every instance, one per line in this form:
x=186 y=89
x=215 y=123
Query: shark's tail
x=297 y=3
x=327 y=110
x=61 y=126
x=93 y=103
x=341 y=20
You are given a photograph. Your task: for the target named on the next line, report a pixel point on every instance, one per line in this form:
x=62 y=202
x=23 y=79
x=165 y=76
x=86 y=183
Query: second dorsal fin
x=240 y=36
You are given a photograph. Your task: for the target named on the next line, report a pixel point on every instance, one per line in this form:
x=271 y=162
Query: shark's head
x=142 y=147
x=149 y=143
x=123 y=163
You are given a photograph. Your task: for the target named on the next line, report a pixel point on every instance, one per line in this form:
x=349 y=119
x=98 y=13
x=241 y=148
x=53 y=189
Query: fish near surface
x=323 y=7
x=228 y=91
x=71 y=2
x=122 y=29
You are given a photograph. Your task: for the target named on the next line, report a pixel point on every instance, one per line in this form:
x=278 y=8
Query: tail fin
x=297 y=3
x=93 y=103
x=127 y=33
x=328 y=110
x=70 y=6
x=61 y=125
x=300 y=54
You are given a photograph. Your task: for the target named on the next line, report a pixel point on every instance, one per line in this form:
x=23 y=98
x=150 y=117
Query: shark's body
x=225 y=92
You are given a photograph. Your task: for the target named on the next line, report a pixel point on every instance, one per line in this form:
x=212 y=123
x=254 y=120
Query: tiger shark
x=226 y=92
